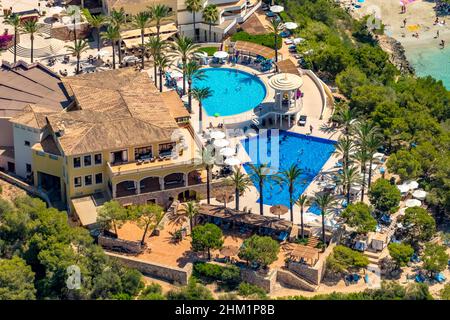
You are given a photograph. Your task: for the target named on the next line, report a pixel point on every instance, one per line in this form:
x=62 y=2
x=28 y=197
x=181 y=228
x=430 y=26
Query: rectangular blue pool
x=308 y=152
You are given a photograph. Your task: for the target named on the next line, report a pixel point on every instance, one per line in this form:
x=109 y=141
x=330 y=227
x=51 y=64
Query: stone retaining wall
x=65 y=34
x=115 y=244
x=164 y=272
x=267 y=282
x=291 y=280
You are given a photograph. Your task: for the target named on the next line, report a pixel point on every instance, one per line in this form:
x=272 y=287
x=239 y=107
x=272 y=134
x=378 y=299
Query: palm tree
x=362 y=156
x=184 y=48
x=112 y=34
x=31 y=27
x=302 y=201
x=191 y=210
x=275 y=27
x=344 y=147
x=208 y=162
x=194 y=6
x=155 y=46
x=77 y=49
x=193 y=72
x=14 y=21
x=345 y=118
x=163 y=62
x=290 y=177
x=200 y=94
x=96 y=22
x=325 y=202
x=73 y=12
x=210 y=16
x=141 y=21
x=373 y=142
x=347 y=178
x=260 y=173
x=118 y=18
x=241 y=183
x=159 y=13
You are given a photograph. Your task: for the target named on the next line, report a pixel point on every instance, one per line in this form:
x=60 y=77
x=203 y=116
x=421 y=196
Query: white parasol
x=404 y=188
x=419 y=194
x=232 y=161
x=217 y=135
x=413 y=185
x=277 y=9
x=221 y=143
x=291 y=25
x=176 y=74
x=102 y=53
x=413 y=203
x=227 y=152
x=220 y=54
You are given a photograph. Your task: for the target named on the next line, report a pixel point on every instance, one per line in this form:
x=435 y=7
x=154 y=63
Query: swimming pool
x=308 y=152
x=233 y=91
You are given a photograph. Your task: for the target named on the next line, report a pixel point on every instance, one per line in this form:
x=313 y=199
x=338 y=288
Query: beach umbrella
x=419 y=194
x=291 y=25
x=221 y=143
x=232 y=161
x=279 y=210
x=220 y=54
x=229 y=251
x=176 y=74
x=298 y=40
x=413 y=203
x=217 y=135
x=277 y=9
x=102 y=53
x=413 y=185
x=56 y=10
x=227 y=152
x=403 y=188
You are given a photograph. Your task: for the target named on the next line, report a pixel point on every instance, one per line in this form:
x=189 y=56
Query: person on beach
x=311 y=129
x=404 y=22
x=442 y=44
x=437 y=34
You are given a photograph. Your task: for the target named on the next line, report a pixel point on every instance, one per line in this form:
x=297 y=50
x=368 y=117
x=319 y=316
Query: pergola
x=305 y=253
x=286 y=87
x=287 y=66
x=254 y=49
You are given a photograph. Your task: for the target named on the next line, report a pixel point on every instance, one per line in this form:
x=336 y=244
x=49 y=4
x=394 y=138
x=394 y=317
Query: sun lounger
x=283 y=236
x=420 y=278
x=440 y=278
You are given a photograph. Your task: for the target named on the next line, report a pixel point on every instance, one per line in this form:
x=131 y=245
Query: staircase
x=313 y=242
x=291 y=279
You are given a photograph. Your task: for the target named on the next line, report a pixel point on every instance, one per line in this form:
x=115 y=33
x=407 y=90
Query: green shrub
x=228 y=274
x=209 y=50
x=250 y=290
x=262 y=39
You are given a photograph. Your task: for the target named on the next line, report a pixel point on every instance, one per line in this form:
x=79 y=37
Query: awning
x=136 y=33
x=255 y=49
x=137 y=42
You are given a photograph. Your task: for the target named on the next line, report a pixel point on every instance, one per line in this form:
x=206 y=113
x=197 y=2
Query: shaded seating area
x=304 y=254
x=194 y=177
x=245 y=223
x=253 y=49
x=150 y=184
x=174 y=180
x=126 y=188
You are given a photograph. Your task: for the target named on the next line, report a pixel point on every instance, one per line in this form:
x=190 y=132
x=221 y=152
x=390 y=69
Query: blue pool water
x=309 y=153
x=233 y=91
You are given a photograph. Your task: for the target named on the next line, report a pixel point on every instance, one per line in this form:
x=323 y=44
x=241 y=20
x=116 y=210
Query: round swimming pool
x=233 y=91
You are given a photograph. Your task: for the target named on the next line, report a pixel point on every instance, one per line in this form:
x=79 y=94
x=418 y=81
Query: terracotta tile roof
x=254 y=48
x=117 y=109
x=25 y=84
x=287 y=66
x=253 y=26
x=175 y=104
x=34 y=116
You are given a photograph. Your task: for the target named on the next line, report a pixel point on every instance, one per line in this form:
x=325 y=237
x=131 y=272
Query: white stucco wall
x=22 y=153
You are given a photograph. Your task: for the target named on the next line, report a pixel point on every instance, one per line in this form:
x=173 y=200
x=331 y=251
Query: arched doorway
x=150 y=184
x=194 y=177
x=126 y=188
x=174 y=180
x=187 y=195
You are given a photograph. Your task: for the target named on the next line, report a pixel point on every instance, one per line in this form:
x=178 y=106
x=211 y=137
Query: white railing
x=319 y=83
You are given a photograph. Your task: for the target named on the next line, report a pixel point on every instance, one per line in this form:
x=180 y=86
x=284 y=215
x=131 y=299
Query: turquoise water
x=309 y=153
x=432 y=61
x=233 y=91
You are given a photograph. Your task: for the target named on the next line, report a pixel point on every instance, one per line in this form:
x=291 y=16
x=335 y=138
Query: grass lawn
x=262 y=39
x=209 y=50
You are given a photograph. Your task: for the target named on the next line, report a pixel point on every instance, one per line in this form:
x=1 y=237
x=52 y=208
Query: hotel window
x=87 y=160
x=27 y=143
x=76 y=162
x=143 y=153
x=98 y=158
x=88 y=180
x=28 y=167
x=98 y=178
x=165 y=149
x=77 y=182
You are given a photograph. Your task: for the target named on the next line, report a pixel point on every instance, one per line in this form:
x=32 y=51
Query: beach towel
x=413 y=28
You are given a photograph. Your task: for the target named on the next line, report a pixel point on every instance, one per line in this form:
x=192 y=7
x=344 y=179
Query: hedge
x=228 y=274
x=262 y=39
